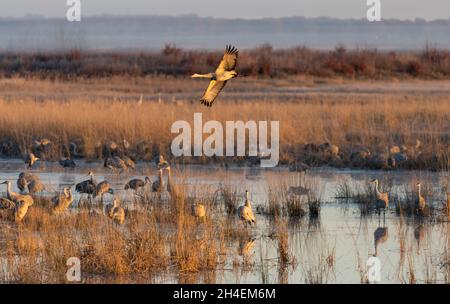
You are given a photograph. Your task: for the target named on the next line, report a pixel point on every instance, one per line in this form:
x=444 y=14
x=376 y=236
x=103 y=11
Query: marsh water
x=333 y=248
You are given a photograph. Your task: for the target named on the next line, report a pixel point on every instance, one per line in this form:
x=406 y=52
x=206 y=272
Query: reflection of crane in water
x=380 y=236
x=253 y=174
x=419 y=235
x=245 y=248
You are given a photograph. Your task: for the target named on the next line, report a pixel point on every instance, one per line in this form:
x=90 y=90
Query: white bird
x=224 y=72
x=115 y=212
x=245 y=212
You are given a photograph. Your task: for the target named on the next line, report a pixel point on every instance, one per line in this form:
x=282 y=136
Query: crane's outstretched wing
x=248 y=215
x=229 y=60
x=212 y=91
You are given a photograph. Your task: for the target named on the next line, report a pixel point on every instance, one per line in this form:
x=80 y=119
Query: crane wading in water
x=245 y=212
x=224 y=72
x=382 y=199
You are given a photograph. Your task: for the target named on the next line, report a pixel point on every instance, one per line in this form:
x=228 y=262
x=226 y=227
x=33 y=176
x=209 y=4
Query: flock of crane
x=19 y=203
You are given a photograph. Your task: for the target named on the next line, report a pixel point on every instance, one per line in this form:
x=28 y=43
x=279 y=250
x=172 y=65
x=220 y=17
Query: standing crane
x=245 y=212
x=63 y=201
x=382 y=198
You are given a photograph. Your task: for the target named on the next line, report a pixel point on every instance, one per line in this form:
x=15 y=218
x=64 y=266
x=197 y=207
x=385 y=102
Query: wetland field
x=316 y=213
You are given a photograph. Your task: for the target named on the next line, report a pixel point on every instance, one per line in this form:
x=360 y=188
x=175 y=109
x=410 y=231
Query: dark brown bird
x=137 y=183
x=67 y=163
x=88 y=186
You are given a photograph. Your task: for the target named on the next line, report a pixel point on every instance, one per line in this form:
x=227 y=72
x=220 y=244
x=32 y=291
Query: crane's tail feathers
x=206 y=103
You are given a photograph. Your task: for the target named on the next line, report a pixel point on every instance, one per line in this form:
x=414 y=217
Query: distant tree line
x=263 y=61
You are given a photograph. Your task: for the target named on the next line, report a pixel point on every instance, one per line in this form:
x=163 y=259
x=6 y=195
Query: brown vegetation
x=368 y=129
x=261 y=61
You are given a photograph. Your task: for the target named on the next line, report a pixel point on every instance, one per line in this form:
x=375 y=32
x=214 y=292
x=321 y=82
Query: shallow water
x=340 y=230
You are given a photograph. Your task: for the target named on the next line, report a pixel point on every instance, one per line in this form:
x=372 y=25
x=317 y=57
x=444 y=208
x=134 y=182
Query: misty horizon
x=120 y=32
x=231 y=9
x=193 y=15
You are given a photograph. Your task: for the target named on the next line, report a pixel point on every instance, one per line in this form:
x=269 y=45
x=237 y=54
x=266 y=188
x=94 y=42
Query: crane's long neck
x=247 y=199
x=418 y=190
x=161 y=180
x=169 y=176
x=9 y=191
x=376 y=188
x=69 y=194
x=208 y=75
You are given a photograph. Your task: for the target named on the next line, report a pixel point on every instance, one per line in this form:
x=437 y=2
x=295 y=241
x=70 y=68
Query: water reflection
x=380 y=236
x=419 y=235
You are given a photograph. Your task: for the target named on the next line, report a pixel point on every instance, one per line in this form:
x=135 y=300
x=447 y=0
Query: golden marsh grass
x=95 y=112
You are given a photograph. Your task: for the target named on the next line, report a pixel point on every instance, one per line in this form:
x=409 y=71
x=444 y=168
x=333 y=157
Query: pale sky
x=398 y=9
